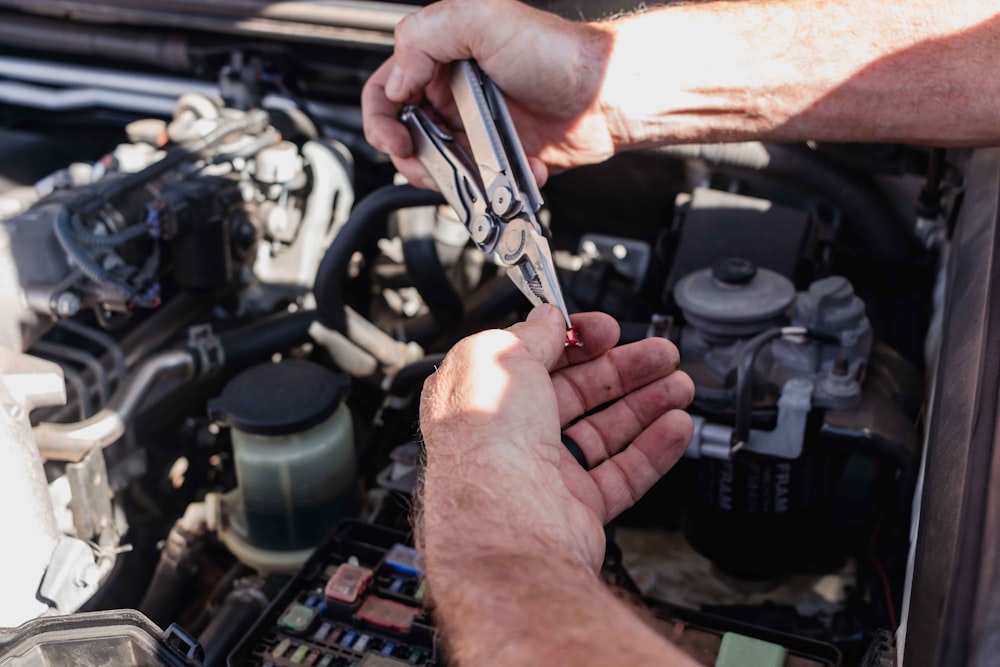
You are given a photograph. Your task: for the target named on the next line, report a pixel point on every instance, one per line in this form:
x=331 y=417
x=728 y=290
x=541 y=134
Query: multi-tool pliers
x=494 y=194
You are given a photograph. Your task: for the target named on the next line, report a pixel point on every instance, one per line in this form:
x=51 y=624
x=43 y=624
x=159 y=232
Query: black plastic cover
x=278 y=399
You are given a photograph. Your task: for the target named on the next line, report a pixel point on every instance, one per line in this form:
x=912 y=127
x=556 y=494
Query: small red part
x=387 y=614
x=348 y=583
x=573 y=338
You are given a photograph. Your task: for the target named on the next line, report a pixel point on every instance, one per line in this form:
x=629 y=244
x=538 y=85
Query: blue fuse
x=396 y=585
x=404 y=559
x=323 y=633
x=311 y=601
x=348 y=638
x=388 y=648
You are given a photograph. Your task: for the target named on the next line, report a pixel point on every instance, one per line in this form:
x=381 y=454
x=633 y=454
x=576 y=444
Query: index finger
x=381 y=116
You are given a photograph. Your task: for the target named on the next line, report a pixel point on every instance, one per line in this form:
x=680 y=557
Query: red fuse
x=387 y=614
x=573 y=338
x=348 y=583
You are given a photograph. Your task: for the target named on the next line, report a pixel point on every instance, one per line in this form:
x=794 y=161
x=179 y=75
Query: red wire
x=883 y=577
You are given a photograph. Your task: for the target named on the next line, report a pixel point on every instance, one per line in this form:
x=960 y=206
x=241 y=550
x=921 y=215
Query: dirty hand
x=550 y=70
x=497 y=473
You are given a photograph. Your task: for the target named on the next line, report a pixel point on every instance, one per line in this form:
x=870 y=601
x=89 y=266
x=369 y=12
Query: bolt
x=502 y=200
x=513 y=241
x=67 y=304
x=481 y=230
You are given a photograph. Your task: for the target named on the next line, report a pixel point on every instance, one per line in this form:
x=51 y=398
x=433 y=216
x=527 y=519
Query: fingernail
x=427 y=183
x=394 y=86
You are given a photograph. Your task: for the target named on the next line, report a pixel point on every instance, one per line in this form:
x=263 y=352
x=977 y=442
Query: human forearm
x=839 y=70
x=507 y=585
x=516 y=608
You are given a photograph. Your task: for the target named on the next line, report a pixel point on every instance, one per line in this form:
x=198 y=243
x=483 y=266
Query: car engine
x=219 y=305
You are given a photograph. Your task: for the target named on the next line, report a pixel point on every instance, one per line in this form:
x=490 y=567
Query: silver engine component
x=271 y=210
x=812 y=347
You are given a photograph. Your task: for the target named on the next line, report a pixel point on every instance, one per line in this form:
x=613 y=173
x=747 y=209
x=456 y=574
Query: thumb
x=543 y=333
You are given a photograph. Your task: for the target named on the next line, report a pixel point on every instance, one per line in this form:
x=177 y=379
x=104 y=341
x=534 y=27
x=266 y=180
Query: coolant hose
x=256 y=342
x=366 y=224
x=867 y=212
x=411 y=376
x=491 y=302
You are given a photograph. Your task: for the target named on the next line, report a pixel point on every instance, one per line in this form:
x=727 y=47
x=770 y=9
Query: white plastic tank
x=293 y=445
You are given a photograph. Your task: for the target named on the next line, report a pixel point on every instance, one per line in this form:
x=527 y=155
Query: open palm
x=501 y=400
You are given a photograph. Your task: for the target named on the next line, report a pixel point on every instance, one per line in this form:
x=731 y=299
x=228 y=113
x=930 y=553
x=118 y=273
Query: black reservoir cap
x=290 y=396
x=734 y=271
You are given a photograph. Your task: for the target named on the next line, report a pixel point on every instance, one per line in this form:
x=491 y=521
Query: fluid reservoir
x=293 y=445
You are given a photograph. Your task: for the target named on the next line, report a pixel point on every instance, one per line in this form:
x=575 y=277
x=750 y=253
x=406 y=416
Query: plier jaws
x=494 y=191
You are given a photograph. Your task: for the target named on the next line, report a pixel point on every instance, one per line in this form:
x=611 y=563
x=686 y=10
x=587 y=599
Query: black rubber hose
x=412 y=375
x=257 y=342
x=240 y=610
x=367 y=223
x=173 y=577
x=489 y=303
x=744 y=375
x=744 y=384
x=426 y=271
x=867 y=212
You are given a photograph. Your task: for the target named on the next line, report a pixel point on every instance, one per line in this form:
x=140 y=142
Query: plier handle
x=494 y=192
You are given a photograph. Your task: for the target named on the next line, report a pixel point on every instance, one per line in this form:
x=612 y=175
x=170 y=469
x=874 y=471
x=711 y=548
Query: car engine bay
x=219 y=305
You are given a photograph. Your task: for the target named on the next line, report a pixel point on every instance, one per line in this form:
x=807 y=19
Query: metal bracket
x=785 y=441
x=207 y=349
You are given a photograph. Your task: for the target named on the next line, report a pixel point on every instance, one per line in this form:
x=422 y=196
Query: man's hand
x=550 y=70
x=497 y=472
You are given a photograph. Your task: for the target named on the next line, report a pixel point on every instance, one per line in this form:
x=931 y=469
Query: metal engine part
x=46 y=571
x=188 y=217
x=817 y=360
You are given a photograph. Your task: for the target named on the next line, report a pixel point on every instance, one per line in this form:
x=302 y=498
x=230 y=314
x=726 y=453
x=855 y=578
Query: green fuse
x=415 y=656
x=300 y=654
x=421 y=591
x=739 y=651
x=298 y=617
x=325 y=661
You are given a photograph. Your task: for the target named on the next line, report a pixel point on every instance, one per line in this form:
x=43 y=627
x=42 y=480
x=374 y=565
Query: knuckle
x=406 y=29
x=484 y=344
